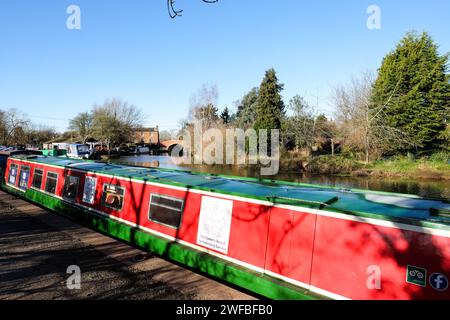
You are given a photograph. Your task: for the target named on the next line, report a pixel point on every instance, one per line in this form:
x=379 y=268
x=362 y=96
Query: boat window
x=90 y=185
x=166 y=210
x=70 y=189
x=37 y=178
x=12 y=174
x=113 y=196
x=51 y=183
x=24 y=177
x=83 y=149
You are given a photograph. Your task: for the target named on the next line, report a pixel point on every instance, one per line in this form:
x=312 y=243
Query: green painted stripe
x=256 y=282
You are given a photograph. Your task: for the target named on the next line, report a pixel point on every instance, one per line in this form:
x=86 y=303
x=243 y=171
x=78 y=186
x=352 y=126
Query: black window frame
x=16 y=166
x=103 y=199
x=76 y=191
x=181 y=210
x=22 y=167
x=34 y=176
x=46 y=182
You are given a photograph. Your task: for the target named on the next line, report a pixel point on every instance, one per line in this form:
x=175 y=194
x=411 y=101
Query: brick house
x=146 y=136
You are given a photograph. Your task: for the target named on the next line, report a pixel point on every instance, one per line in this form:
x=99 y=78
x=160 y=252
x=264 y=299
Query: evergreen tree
x=225 y=116
x=414 y=85
x=246 y=111
x=270 y=106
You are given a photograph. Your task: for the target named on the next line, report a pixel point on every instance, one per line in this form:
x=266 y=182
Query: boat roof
x=389 y=206
x=11 y=151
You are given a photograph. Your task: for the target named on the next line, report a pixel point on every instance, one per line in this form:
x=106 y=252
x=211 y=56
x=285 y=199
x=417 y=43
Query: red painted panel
x=290 y=244
x=186 y=225
x=279 y=241
x=248 y=238
x=345 y=251
x=302 y=247
x=189 y=220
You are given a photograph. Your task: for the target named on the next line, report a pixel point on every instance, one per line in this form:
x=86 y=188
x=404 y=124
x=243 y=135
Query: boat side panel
x=279 y=241
x=349 y=257
x=247 y=219
x=302 y=247
x=214 y=266
x=248 y=235
x=247 y=241
x=290 y=244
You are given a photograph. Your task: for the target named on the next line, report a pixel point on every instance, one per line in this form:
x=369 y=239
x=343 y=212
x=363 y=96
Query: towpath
x=37 y=247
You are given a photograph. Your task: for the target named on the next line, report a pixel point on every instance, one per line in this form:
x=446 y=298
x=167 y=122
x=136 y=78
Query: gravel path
x=37 y=247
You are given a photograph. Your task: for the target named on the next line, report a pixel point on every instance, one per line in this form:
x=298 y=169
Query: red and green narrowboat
x=278 y=239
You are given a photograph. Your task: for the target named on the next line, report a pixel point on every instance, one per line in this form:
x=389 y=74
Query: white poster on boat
x=215 y=223
x=90 y=185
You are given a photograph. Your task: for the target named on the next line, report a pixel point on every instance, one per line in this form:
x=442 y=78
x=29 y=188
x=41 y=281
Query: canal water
x=424 y=188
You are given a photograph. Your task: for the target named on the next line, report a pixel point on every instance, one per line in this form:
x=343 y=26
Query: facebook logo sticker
x=438 y=281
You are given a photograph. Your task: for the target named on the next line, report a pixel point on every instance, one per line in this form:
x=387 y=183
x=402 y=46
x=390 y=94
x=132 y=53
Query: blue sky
x=131 y=49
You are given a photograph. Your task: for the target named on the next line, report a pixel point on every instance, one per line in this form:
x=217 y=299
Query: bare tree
x=168 y=134
x=114 y=121
x=82 y=124
x=305 y=127
x=302 y=122
x=13 y=128
x=203 y=106
x=38 y=134
x=363 y=125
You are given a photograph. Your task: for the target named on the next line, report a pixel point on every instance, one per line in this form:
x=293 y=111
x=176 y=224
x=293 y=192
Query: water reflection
x=424 y=188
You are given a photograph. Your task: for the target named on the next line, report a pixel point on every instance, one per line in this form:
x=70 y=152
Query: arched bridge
x=168 y=145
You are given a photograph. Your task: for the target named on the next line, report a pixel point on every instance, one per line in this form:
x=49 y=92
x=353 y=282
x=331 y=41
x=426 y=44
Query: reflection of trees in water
x=424 y=188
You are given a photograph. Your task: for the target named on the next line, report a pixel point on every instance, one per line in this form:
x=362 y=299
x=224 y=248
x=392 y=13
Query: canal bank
x=37 y=247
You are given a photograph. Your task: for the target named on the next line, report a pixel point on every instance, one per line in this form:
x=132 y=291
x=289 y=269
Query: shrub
x=441 y=157
x=332 y=165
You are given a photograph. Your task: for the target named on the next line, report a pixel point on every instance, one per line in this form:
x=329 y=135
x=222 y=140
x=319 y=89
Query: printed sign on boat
x=439 y=282
x=215 y=223
x=416 y=275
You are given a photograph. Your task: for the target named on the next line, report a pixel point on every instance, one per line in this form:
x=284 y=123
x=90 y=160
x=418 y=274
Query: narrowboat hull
x=278 y=248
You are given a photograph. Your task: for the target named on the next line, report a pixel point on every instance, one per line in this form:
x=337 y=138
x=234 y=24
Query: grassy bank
x=436 y=167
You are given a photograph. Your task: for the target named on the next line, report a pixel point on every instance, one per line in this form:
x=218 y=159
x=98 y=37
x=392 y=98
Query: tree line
x=112 y=123
x=403 y=108
x=17 y=129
